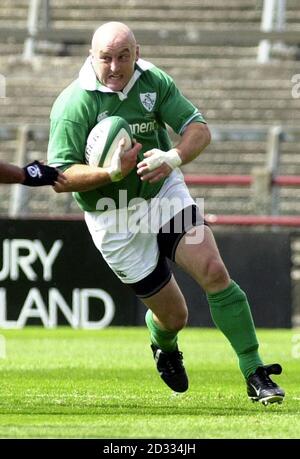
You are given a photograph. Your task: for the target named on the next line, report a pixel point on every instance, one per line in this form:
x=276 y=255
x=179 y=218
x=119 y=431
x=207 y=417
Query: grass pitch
x=66 y=383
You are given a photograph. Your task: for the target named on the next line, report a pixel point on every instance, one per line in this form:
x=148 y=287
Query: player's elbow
x=206 y=135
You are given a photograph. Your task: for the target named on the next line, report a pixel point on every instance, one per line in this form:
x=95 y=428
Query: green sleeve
x=73 y=115
x=67 y=142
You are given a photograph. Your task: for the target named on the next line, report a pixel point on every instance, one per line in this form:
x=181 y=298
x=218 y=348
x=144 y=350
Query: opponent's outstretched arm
x=33 y=174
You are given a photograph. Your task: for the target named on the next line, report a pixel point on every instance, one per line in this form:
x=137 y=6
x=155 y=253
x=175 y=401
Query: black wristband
x=36 y=174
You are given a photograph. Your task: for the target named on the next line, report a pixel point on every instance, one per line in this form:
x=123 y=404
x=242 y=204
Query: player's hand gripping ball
x=103 y=149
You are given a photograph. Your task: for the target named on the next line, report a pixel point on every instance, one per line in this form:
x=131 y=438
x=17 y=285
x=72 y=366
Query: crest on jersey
x=102 y=115
x=148 y=100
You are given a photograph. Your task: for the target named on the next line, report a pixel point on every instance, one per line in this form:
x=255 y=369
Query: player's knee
x=178 y=321
x=215 y=274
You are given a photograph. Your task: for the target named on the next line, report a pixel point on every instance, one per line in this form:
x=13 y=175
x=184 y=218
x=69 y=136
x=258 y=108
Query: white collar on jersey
x=88 y=78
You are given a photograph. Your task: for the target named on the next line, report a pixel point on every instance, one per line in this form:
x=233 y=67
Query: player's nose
x=114 y=65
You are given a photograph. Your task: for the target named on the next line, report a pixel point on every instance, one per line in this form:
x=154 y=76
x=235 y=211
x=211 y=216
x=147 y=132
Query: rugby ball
x=104 y=138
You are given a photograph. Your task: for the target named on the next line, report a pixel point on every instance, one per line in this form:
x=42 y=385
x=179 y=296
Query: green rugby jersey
x=149 y=102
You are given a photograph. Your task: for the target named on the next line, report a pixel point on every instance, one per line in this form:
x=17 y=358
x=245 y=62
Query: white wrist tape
x=115 y=175
x=115 y=169
x=159 y=157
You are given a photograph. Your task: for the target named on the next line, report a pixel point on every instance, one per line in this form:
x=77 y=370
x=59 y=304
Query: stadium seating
x=225 y=82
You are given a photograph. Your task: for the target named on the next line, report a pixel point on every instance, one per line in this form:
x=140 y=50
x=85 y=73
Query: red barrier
x=286 y=180
x=238 y=180
x=218 y=179
x=253 y=220
x=212 y=219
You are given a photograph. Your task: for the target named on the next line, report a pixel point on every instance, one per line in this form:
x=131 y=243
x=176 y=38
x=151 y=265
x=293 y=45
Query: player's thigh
x=197 y=253
x=168 y=304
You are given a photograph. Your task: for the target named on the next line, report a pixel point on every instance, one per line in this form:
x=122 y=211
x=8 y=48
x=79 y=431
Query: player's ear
x=137 y=52
x=91 y=52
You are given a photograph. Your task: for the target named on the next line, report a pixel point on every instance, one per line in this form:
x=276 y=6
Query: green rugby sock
x=231 y=313
x=164 y=339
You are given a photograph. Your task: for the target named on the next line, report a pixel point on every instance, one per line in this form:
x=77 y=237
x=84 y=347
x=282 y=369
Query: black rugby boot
x=261 y=388
x=171 y=369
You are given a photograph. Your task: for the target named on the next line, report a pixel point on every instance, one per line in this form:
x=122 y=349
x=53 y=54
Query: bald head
x=114 y=53
x=112 y=33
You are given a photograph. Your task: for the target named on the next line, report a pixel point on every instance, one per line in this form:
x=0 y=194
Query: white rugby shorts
x=127 y=237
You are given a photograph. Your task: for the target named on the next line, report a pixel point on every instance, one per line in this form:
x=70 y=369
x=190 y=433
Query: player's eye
x=124 y=57
x=105 y=59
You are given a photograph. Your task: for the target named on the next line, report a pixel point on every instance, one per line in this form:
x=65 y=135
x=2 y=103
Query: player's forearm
x=81 y=177
x=11 y=174
x=194 y=140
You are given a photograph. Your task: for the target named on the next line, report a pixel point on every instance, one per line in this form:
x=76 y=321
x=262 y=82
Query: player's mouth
x=115 y=77
x=115 y=82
